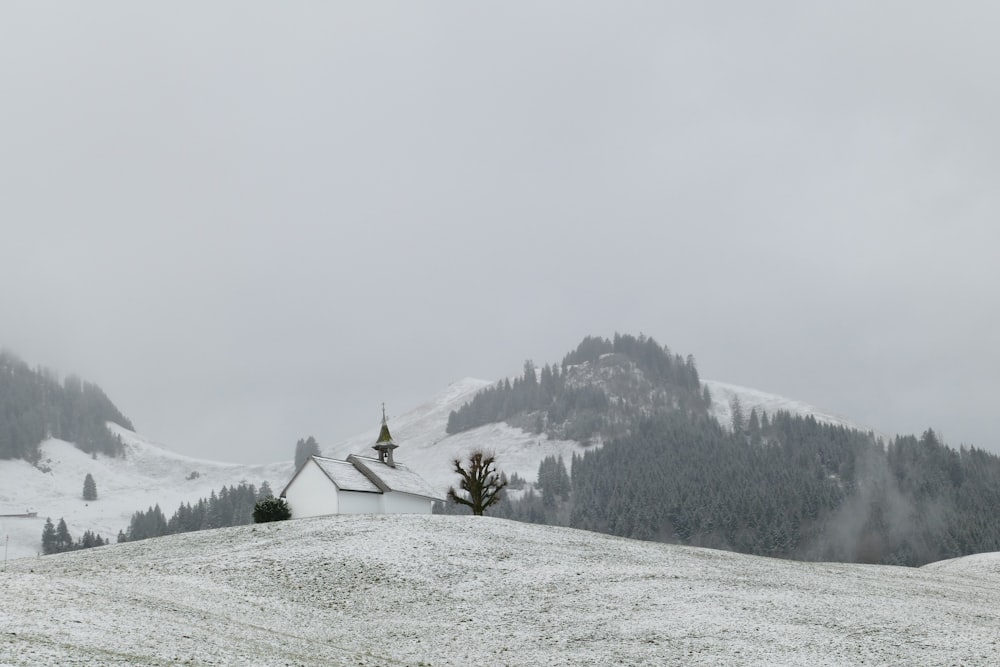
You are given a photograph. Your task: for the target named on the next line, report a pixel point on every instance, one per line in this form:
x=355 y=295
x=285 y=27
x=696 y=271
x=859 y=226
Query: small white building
x=359 y=485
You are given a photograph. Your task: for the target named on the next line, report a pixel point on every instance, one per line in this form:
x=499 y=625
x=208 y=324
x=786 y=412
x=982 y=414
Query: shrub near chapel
x=271 y=509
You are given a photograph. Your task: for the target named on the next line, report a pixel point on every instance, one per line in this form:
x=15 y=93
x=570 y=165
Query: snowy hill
x=426 y=447
x=147 y=475
x=447 y=590
x=150 y=474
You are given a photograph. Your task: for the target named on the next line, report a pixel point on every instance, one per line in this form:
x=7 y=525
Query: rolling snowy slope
x=447 y=590
x=146 y=476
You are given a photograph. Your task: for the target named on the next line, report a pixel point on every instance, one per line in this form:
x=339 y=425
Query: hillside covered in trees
x=598 y=391
x=35 y=405
x=773 y=485
x=794 y=488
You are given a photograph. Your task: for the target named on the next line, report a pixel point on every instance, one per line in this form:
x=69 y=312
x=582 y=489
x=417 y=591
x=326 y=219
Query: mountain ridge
x=763 y=401
x=150 y=474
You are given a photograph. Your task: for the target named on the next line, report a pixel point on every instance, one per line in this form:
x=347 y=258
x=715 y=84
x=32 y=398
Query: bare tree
x=480 y=481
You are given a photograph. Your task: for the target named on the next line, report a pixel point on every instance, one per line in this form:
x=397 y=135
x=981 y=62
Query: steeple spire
x=384 y=445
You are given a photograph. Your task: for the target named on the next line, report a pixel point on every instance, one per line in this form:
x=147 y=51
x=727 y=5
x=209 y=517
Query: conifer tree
x=64 y=541
x=89 y=488
x=304 y=449
x=530 y=378
x=49 y=538
x=738 y=420
x=754 y=428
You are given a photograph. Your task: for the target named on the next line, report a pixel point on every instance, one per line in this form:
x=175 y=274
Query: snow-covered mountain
x=723 y=394
x=425 y=446
x=460 y=590
x=150 y=474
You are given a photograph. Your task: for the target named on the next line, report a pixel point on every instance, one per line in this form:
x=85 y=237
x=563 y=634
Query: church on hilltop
x=359 y=485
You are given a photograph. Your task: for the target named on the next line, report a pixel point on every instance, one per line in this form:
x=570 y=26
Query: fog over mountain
x=251 y=222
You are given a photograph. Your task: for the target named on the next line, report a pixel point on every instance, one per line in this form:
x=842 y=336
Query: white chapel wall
x=311 y=493
x=357 y=502
x=404 y=503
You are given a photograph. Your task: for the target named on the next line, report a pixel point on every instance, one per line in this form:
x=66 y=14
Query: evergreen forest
x=57 y=539
x=773 y=485
x=598 y=391
x=231 y=506
x=35 y=405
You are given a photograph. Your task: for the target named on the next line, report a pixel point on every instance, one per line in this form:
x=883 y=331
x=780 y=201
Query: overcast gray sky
x=250 y=222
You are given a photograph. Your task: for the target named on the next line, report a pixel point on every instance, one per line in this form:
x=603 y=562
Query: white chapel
x=359 y=485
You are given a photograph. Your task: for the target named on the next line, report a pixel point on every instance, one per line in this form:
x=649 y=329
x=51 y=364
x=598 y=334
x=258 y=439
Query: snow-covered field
x=450 y=590
x=147 y=475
